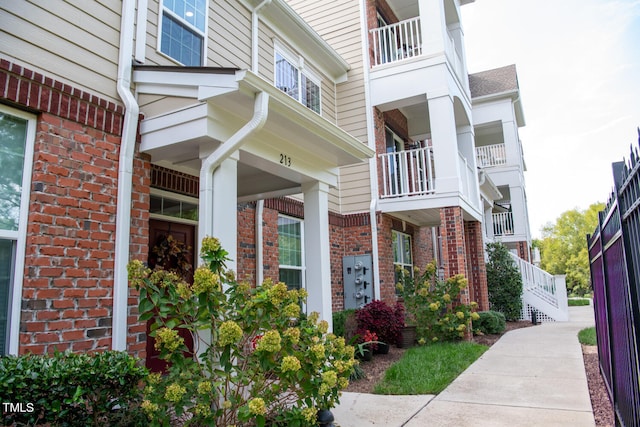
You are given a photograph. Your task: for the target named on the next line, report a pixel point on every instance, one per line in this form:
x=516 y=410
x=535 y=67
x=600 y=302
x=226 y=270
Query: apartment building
x=127 y=122
x=497 y=115
x=325 y=143
x=408 y=96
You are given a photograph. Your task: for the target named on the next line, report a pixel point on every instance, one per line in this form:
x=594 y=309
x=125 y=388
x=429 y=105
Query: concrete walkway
x=531 y=377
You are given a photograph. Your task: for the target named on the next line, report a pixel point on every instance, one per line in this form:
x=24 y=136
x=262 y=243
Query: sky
x=578 y=65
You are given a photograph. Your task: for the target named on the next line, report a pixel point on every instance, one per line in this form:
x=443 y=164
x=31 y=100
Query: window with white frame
x=17 y=135
x=182 y=30
x=402 y=258
x=295 y=81
x=290 y=254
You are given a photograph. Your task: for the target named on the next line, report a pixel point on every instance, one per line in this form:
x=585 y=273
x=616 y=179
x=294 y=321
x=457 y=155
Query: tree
x=563 y=248
x=504 y=282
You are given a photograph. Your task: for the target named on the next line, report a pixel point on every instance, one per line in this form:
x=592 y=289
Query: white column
x=432 y=26
x=445 y=144
x=316 y=246
x=218 y=215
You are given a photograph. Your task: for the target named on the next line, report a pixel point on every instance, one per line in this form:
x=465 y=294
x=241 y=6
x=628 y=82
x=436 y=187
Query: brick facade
x=476 y=264
x=454 y=252
x=68 y=277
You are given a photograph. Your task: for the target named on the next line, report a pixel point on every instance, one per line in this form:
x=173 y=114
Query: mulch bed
x=602 y=409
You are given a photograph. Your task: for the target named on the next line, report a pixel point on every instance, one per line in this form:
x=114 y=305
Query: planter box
x=408 y=338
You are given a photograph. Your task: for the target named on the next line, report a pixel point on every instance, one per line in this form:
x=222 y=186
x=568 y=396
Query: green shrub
x=490 y=322
x=339 y=320
x=576 y=302
x=434 y=305
x=504 y=282
x=69 y=389
x=259 y=359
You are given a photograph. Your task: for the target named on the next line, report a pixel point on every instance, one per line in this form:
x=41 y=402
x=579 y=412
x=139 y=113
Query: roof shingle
x=498 y=80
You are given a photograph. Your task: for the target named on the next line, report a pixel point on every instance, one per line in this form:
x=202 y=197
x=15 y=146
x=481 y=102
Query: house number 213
x=285 y=160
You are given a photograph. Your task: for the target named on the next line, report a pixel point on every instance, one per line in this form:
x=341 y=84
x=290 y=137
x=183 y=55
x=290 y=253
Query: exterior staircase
x=542 y=293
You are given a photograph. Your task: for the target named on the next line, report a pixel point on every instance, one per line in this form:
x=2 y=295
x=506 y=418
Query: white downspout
x=373 y=162
x=260 y=203
x=125 y=176
x=259 y=243
x=254 y=35
x=211 y=162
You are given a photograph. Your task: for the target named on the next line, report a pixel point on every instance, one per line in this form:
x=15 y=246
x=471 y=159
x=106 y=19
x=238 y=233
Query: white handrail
x=396 y=41
x=502 y=223
x=537 y=281
x=491 y=155
x=407 y=172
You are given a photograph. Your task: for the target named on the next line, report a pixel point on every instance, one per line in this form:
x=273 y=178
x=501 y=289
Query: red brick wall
x=523 y=251
x=68 y=277
x=246 y=262
x=349 y=235
x=453 y=245
x=476 y=264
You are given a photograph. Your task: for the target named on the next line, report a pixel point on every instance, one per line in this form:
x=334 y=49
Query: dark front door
x=172 y=247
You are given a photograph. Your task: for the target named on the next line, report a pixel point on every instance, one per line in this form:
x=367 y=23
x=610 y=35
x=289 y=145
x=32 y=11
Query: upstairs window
x=295 y=81
x=183 y=30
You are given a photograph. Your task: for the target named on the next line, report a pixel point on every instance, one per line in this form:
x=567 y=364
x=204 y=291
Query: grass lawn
x=429 y=369
x=587 y=336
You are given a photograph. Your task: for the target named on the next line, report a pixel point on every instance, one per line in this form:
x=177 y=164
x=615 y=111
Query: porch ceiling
x=295 y=145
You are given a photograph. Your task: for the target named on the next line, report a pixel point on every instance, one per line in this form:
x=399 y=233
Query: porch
x=246 y=140
x=409 y=183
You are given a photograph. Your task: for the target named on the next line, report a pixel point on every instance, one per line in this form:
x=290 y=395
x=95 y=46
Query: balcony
x=397 y=41
x=403 y=40
x=503 y=224
x=491 y=155
x=407 y=173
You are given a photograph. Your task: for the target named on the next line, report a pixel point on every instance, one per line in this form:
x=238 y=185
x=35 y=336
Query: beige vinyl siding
x=229 y=41
x=338 y=22
x=228 y=35
x=333 y=199
x=73 y=41
x=355 y=188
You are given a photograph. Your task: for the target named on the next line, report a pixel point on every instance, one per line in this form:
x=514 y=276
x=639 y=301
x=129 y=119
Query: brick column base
x=476 y=264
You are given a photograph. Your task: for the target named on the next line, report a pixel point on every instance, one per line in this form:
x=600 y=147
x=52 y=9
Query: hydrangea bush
x=434 y=305
x=257 y=358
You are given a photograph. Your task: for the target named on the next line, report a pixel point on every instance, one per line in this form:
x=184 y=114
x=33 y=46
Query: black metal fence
x=614 y=257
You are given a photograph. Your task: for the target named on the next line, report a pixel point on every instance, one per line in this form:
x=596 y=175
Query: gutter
x=260 y=203
x=373 y=162
x=211 y=162
x=125 y=176
x=254 y=35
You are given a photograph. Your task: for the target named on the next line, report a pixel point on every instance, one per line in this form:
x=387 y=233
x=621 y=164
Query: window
x=183 y=30
x=401 y=253
x=17 y=134
x=290 y=252
x=299 y=84
x=163 y=203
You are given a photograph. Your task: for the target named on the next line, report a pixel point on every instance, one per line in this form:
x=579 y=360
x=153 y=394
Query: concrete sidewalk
x=531 y=377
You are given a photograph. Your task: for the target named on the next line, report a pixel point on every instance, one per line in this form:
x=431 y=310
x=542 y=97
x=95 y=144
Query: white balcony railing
x=407 y=173
x=455 y=59
x=397 y=41
x=468 y=180
x=502 y=223
x=491 y=155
